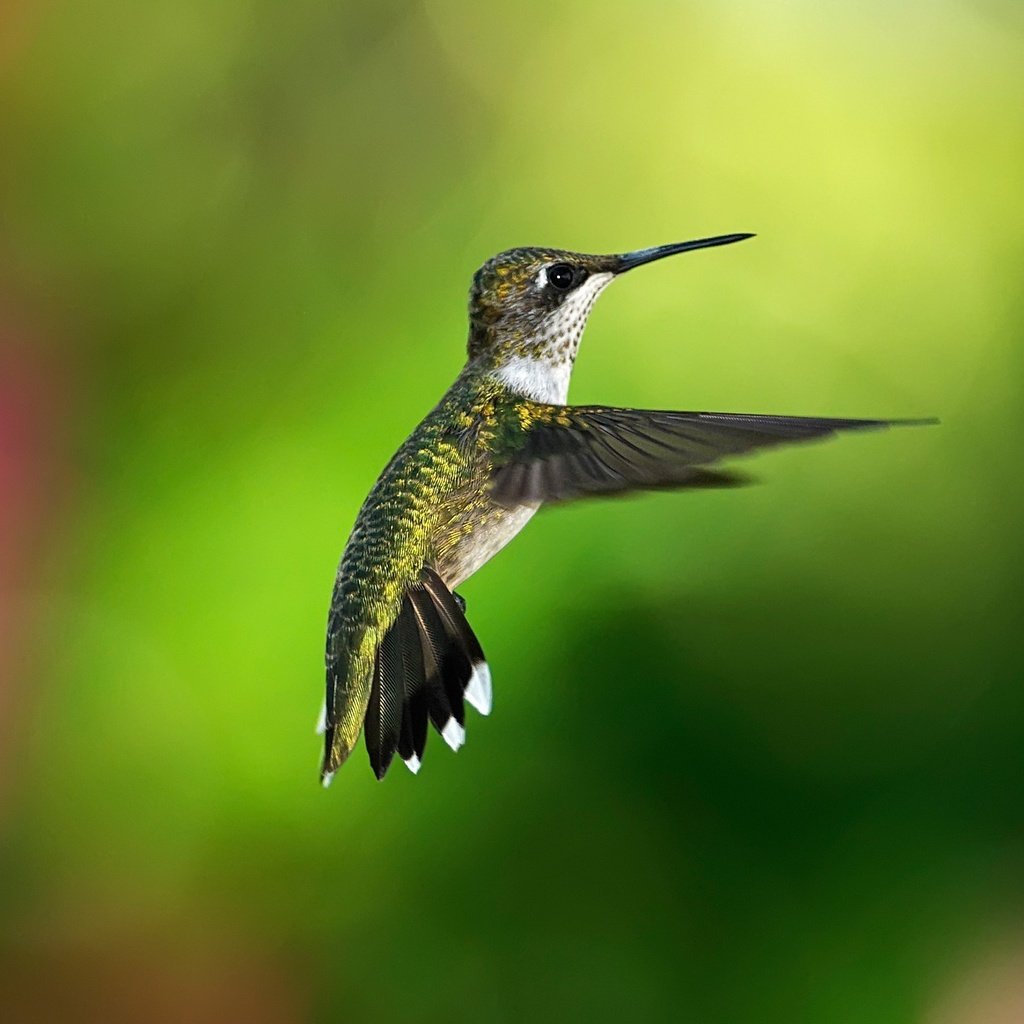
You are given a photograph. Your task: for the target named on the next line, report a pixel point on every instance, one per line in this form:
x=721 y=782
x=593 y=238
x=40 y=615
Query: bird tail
x=428 y=665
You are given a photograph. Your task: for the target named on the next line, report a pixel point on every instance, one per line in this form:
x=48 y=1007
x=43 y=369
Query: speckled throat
x=540 y=364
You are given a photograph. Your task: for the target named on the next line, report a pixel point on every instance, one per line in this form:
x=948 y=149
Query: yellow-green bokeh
x=756 y=755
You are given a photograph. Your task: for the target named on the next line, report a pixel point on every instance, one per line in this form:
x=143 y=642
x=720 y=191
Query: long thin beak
x=629 y=260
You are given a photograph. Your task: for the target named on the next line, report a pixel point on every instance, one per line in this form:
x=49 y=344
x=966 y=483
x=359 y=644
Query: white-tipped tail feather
x=478 y=689
x=453 y=734
x=427 y=666
x=321 y=722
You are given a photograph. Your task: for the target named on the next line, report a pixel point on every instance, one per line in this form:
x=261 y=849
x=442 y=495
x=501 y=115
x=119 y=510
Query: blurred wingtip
x=925 y=421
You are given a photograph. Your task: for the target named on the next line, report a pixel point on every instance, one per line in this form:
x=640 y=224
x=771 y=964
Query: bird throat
x=539 y=365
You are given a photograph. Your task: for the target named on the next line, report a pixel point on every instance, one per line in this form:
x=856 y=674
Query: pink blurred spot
x=31 y=463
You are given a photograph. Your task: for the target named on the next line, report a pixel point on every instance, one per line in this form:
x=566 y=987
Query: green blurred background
x=755 y=756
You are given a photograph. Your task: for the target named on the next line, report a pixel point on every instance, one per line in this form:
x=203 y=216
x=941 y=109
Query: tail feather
x=477 y=688
x=439 y=705
x=427 y=667
x=454 y=665
x=415 y=720
x=413 y=737
x=383 y=724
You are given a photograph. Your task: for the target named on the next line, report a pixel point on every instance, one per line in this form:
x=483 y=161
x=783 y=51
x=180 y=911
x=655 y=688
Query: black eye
x=561 y=276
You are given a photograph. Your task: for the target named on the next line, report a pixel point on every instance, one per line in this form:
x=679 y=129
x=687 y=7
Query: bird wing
x=563 y=452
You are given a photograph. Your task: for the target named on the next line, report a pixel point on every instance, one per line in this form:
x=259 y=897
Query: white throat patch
x=545 y=377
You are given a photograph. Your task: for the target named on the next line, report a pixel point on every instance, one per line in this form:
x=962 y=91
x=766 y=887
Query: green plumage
x=425 y=509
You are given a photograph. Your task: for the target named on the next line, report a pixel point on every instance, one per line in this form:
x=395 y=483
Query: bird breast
x=483 y=543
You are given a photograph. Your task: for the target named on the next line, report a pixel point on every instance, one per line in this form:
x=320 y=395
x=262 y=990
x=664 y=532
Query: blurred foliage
x=756 y=756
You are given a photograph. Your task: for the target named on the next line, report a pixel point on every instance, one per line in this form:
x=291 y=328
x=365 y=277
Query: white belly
x=484 y=543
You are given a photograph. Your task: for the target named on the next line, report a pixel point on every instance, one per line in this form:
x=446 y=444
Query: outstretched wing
x=427 y=667
x=565 y=452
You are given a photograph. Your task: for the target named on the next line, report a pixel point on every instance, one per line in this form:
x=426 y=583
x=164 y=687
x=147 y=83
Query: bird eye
x=561 y=276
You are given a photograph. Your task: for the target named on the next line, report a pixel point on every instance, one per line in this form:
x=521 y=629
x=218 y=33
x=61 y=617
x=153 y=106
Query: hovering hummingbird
x=499 y=444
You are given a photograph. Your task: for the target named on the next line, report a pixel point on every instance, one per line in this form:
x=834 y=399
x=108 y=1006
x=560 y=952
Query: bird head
x=528 y=308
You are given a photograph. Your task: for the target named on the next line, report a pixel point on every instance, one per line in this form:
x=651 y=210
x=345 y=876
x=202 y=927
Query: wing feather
x=569 y=452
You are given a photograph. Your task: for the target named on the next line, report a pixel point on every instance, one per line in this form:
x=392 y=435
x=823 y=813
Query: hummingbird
x=501 y=442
